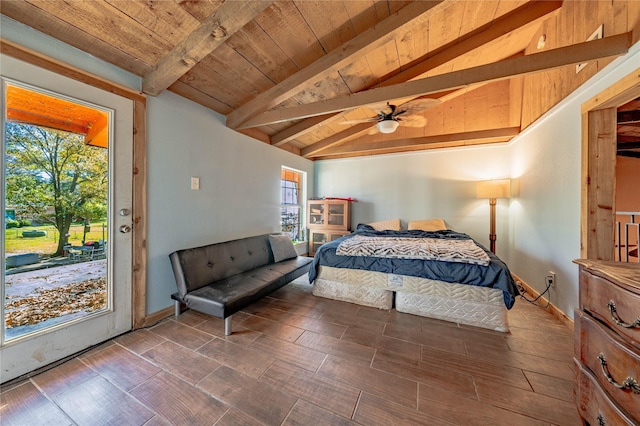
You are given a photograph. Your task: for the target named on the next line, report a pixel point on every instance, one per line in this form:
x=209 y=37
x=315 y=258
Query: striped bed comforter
x=464 y=251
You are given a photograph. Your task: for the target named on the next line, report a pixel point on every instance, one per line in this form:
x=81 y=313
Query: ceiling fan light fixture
x=387 y=126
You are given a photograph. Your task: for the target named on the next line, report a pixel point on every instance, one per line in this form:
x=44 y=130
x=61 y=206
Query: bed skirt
x=463 y=304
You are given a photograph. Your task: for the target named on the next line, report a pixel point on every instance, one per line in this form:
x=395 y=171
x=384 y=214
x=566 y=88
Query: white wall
x=239 y=192
x=239 y=176
x=538 y=230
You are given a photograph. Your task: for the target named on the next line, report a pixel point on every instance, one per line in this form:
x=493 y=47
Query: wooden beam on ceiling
x=369 y=40
x=230 y=17
x=301 y=128
x=570 y=55
x=335 y=139
x=527 y=14
x=457 y=139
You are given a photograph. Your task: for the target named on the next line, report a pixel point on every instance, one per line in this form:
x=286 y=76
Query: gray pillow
x=282 y=247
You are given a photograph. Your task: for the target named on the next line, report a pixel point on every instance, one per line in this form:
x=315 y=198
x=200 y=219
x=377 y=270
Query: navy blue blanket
x=495 y=275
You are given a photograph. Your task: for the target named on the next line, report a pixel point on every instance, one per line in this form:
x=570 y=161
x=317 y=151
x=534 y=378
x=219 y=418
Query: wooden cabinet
x=318 y=237
x=607 y=343
x=327 y=220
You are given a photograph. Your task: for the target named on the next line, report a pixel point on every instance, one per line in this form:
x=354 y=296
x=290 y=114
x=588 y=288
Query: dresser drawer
x=611 y=304
x=594 y=404
x=613 y=362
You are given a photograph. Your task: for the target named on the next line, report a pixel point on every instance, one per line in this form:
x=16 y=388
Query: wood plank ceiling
x=304 y=75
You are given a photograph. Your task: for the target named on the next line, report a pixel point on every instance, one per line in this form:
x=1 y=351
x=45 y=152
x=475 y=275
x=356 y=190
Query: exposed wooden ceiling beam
x=335 y=139
x=527 y=14
x=466 y=138
x=301 y=128
x=365 y=42
x=230 y=17
x=570 y=55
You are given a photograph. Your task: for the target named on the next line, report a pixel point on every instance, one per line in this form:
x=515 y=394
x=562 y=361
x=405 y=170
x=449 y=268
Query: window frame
x=302 y=191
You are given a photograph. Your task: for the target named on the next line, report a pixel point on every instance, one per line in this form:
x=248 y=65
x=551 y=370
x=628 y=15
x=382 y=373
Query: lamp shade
x=387 y=126
x=494 y=189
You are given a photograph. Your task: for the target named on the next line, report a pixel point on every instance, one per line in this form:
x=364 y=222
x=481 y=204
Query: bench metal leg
x=177 y=308
x=227 y=326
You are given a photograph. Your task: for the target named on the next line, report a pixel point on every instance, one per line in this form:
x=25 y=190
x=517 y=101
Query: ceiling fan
x=391 y=116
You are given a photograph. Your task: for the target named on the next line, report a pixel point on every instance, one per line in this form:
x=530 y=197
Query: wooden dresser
x=607 y=343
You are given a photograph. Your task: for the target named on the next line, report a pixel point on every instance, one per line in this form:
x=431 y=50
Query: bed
x=440 y=274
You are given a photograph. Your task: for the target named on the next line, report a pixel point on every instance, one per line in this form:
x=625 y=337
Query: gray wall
x=239 y=191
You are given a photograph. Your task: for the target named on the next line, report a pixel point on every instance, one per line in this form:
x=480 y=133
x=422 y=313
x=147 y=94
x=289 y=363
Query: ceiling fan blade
x=362 y=120
x=418 y=104
x=378 y=106
x=412 y=120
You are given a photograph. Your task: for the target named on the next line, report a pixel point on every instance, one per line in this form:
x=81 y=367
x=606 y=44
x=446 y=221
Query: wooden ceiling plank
x=518 y=18
x=165 y=19
x=365 y=14
x=283 y=19
x=570 y=55
x=466 y=138
x=331 y=25
x=292 y=132
x=53 y=26
x=262 y=51
x=200 y=9
x=199 y=97
x=210 y=34
x=118 y=30
x=362 y=44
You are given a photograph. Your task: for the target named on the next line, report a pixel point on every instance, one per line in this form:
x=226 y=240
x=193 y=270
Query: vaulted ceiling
x=313 y=77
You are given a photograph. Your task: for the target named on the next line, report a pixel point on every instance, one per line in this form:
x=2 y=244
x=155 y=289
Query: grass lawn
x=15 y=243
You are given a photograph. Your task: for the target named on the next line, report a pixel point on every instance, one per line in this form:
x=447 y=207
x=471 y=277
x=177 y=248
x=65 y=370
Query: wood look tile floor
x=296 y=359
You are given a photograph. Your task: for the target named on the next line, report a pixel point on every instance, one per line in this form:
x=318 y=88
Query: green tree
x=54 y=177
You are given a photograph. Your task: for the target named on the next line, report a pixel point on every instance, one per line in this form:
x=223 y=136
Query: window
x=291 y=202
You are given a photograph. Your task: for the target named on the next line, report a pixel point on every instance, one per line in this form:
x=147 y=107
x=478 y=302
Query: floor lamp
x=493 y=189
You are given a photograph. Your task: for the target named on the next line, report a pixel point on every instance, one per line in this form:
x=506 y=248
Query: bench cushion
x=227 y=296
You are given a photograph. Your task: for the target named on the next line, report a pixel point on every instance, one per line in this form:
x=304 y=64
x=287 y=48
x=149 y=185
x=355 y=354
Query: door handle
x=125 y=229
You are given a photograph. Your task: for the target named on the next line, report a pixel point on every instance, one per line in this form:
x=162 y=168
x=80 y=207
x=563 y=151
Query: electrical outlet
x=551 y=279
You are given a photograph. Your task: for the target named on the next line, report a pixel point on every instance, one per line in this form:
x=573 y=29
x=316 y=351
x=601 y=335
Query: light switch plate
x=195 y=183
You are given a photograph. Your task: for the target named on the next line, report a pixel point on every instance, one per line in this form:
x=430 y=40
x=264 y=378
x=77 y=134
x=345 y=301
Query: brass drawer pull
x=628 y=383
x=616 y=318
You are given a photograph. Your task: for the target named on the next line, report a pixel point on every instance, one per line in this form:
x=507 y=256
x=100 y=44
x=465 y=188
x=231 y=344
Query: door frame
x=139 y=253
x=598 y=189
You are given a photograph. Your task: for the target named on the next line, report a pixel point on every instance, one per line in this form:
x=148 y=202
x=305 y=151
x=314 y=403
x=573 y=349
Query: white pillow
x=282 y=247
x=383 y=225
x=428 y=225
